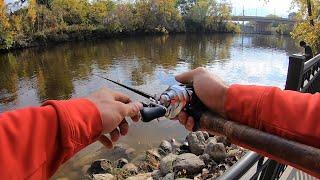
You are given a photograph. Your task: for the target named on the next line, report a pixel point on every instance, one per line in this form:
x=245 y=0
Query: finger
x=105 y=141
x=183 y=116
x=124 y=128
x=187 y=77
x=136 y=118
x=131 y=109
x=190 y=123
x=115 y=135
x=121 y=97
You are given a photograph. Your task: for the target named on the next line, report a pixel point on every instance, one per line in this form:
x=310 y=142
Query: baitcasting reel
x=170 y=103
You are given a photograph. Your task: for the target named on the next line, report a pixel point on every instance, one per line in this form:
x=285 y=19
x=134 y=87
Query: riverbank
x=84 y=33
x=200 y=156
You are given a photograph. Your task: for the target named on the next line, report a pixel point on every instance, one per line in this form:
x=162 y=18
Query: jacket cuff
x=80 y=120
x=243 y=102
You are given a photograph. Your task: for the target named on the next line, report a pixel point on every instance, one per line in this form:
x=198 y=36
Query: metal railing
x=302 y=76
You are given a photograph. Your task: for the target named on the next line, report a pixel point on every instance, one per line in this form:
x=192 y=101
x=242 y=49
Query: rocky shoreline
x=200 y=156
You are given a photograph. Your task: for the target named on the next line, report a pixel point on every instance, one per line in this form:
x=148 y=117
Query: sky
x=259 y=7
x=256 y=7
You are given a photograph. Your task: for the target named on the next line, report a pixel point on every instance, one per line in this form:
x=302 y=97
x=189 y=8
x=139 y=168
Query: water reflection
x=51 y=71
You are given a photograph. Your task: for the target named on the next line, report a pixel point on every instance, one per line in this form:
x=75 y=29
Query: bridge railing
x=303 y=76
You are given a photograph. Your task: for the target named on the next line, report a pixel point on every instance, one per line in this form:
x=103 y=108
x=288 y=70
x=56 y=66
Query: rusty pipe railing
x=300 y=156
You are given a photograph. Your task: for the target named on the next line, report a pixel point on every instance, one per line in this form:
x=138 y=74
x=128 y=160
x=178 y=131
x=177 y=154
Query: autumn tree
x=5 y=35
x=304 y=30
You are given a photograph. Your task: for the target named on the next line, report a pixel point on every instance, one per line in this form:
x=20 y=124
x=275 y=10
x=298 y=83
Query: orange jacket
x=36 y=141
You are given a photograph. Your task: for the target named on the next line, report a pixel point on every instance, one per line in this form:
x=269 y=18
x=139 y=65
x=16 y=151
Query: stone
x=169 y=176
x=206 y=158
x=211 y=140
x=196 y=142
x=188 y=164
x=165 y=148
x=101 y=166
x=184 y=148
x=156 y=175
x=145 y=176
x=205 y=135
x=131 y=168
x=103 y=177
x=153 y=153
x=233 y=152
x=121 y=162
x=216 y=151
x=166 y=164
x=205 y=173
x=122 y=151
x=223 y=139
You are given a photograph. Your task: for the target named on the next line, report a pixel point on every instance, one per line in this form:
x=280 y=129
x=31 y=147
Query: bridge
x=262 y=25
x=264 y=19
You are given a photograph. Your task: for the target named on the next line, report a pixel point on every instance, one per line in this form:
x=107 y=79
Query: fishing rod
x=144 y=94
x=182 y=97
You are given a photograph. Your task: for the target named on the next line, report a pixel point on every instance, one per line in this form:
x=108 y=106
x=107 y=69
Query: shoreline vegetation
x=40 y=22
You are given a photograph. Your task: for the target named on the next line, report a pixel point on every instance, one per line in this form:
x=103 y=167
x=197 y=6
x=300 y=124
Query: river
x=149 y=63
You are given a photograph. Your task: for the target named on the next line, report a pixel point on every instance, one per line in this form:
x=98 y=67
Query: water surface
x=32 y=76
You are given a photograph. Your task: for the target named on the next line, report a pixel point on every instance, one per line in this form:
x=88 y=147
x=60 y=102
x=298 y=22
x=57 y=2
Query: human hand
x=113 y=108
x=210 y=89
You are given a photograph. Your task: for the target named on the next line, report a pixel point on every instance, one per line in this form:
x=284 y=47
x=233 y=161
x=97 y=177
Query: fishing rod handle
x=150 y=113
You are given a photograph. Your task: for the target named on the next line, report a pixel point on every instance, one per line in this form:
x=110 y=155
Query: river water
x=149 y=63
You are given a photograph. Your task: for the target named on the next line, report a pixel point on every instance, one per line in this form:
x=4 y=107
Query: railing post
x=295 y=71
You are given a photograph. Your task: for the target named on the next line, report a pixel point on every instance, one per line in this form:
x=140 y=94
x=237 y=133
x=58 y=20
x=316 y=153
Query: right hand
x=114 y=107
x=210 y=89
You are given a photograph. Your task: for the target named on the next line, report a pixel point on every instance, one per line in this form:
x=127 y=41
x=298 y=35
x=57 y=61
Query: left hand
x=114 y=107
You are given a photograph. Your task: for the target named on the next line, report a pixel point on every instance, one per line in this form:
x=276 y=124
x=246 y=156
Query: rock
x=233 y=152
x=165 y=148
x=175 y=144
x=223 y=139
x=100 y=166
x=196 y=142
x=183 y=179
x=131 y=168
x=154 y=154
x=169 y=176
x=184 y=148
x=188 y=164
x=156 y=175
x=153 y=158
x=206 y=158
x=103 y=177
x=146 y=176
x=205 y=135
x=166 y=164
x=122 y=151
x=205 y=173
x=121 y=162
x=211 y=140
x=216 y=151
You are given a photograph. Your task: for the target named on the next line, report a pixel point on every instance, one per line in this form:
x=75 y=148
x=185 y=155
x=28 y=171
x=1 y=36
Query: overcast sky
x=257 y=7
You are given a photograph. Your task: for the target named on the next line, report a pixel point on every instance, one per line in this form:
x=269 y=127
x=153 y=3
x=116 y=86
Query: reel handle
x=155 y=111
x=196 y=109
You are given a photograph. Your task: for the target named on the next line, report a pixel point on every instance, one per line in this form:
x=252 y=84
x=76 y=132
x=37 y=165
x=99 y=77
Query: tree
x=304 y=30
x=32 y=12
x=5 y=34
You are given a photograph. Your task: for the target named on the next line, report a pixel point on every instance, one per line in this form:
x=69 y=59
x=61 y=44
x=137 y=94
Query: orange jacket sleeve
x=35 y=141
x=288 y=114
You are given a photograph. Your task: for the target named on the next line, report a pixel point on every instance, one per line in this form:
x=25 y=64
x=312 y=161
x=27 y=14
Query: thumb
x=132 y=109
x=187 y=77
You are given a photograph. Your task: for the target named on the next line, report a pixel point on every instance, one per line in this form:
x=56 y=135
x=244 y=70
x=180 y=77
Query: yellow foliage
x=32 y=11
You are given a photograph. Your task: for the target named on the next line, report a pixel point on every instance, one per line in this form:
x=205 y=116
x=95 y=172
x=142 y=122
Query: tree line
x=45 y=20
